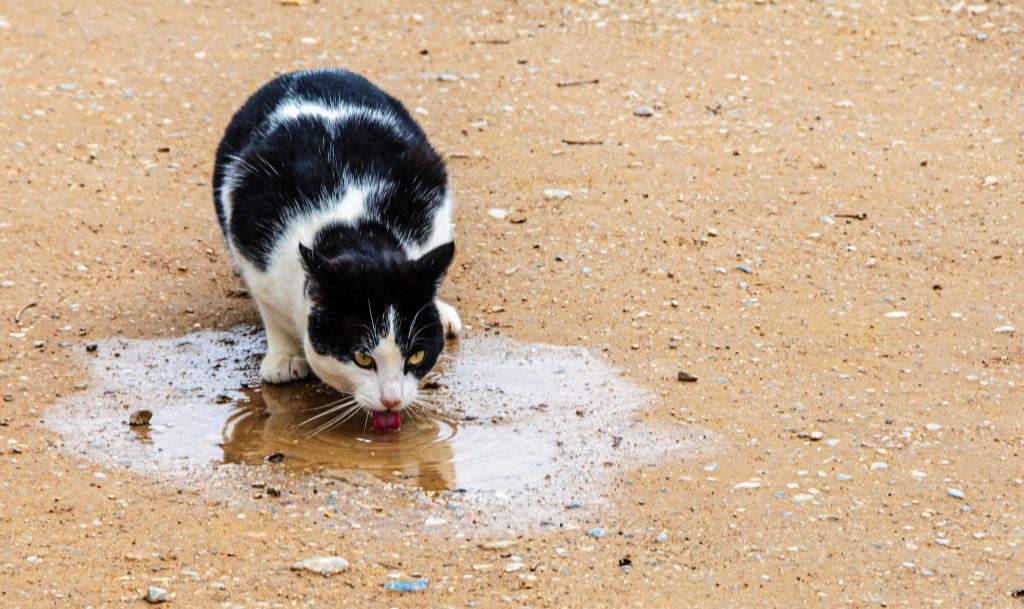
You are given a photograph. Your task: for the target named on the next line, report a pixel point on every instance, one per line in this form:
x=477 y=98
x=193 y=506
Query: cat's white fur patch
x=283 y=368
x=449 y=319
x=294 y=108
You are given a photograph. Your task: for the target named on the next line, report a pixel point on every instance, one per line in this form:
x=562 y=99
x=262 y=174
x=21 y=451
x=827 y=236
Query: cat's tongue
x=388 y=420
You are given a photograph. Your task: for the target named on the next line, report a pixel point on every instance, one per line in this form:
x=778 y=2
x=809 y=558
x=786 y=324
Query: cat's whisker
x=333 y=423
x=431 y=411
x=335 y=415
x=427 y=401
x=412 y=324
x=330 y=404
x=412 y=413
x=416 y=335
x=335 y=407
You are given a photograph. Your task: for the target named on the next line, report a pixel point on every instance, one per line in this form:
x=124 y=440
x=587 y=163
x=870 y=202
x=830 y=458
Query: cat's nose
x=390 y=403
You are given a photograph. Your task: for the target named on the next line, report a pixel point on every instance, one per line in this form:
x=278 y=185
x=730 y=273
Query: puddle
x=521 y=423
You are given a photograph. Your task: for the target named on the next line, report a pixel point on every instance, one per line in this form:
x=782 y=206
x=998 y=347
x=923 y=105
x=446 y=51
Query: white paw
x=449 y=319
x=283 y=368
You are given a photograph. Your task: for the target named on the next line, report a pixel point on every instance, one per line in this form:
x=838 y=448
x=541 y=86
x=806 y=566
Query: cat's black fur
x=337 y=322
x=294 y=163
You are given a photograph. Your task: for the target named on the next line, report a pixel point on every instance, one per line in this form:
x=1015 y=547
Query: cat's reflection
x=270 y=421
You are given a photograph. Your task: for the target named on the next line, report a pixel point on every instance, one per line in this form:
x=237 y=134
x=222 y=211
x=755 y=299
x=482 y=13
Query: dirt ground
x=813 y=207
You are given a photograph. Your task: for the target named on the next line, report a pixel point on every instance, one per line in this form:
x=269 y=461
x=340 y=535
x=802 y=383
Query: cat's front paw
x=449 y=319
x=283 y=368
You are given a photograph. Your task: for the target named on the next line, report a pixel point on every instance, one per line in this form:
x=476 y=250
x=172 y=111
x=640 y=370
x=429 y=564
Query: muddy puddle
x=515 y=423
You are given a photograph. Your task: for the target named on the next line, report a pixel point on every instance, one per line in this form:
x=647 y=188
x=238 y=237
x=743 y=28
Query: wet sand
x=813 y=208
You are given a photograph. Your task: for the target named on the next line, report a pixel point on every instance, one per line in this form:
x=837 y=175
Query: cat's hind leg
x=449 y=319
x=284 y=361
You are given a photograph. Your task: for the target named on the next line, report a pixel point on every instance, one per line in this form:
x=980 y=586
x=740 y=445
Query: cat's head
x=373 y=330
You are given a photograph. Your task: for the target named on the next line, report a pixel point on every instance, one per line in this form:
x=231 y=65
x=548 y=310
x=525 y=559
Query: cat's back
x=323 y=144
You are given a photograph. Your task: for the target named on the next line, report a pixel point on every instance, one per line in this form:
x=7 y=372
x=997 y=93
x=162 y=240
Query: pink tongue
x=388 y=420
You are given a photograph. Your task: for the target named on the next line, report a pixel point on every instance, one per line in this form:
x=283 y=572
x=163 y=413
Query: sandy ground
x=820 y=218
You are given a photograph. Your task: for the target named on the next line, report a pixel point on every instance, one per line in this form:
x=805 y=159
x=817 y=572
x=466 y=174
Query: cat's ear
x=312 y=262
x=434 y=263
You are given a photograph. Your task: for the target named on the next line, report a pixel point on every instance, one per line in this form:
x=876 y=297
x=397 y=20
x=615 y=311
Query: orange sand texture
x=814 y=207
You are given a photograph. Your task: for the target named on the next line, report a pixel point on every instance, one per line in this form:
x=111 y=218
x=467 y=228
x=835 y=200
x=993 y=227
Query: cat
x=338 y=216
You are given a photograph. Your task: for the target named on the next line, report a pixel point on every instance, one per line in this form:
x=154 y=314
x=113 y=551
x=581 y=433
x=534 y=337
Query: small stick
x=857 y=216
x=492 y=41
x=576 y=83
x=17 y=316
x=583 y=142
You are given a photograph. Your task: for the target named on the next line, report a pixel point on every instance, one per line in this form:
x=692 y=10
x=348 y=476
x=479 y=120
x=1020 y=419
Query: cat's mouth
x=387 y=420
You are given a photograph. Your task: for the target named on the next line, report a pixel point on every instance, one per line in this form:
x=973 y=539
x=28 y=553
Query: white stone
x=746 y=485
x=324 y=565
x=556 y=193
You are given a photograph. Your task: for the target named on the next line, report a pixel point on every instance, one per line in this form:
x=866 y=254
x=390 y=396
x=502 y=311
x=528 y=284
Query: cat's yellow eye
x=416 y=358
x=363 y=360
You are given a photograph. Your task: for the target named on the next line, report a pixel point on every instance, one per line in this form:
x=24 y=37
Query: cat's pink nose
x=390 y=403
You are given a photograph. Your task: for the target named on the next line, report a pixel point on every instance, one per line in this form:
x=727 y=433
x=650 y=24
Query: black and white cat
x=337 y=212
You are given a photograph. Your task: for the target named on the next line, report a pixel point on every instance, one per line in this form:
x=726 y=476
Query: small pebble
x=595 y=533
x=324 y=565
x=91 y=347
x=501 y=544
x=1004 y=330
x=661 y=538
x=643 y=111
x=896 y=314
x=156 y=595
x=499 y=214
x=140 y=418
x=747 y=485
x=744 y=268
x=685 y=377
x=955 y=493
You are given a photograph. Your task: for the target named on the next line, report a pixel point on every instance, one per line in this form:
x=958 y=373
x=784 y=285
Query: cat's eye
x=416 y=358
x=362 y=360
